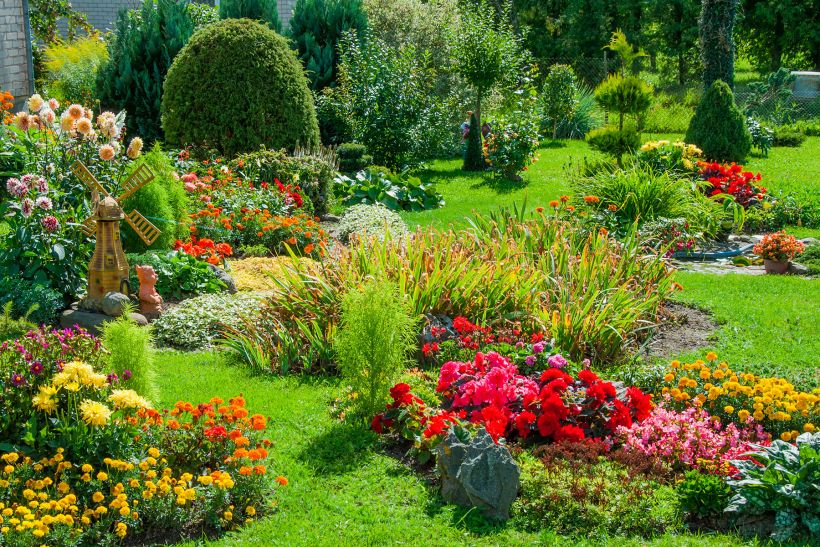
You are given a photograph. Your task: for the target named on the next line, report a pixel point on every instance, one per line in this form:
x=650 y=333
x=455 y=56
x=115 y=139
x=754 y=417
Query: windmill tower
x=108 y=269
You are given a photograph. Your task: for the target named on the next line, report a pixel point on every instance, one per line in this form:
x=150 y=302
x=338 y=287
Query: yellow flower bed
x=254 y=274
x=742 y=397
x=55 y=501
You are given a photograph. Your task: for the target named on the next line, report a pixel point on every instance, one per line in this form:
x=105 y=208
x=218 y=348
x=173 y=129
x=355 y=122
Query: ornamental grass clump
x=590 y=293
x=377 y=333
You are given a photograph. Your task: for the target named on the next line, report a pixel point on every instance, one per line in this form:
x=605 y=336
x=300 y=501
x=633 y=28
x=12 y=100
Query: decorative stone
x=480 y=474
x=223 y=276
x=150 y=300
x=113 y=303
x=92 y=321
x=798 y=269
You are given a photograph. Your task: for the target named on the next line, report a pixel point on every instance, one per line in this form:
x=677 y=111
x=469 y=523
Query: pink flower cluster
x=27 y=188
x=690 y=439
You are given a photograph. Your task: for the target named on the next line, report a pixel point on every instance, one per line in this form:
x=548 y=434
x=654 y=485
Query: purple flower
x=557 y=361
x=586 y=363
x=36 y=368
x=112 y=378
x=126 y=375
x=42 y=185
x=16 y=187
x=530 y=360
x=538 y=347
x=17 y=379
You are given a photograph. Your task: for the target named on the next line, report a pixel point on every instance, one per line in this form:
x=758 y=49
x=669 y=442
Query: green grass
x=343 y=490
x=769 y=324
x=790 y=170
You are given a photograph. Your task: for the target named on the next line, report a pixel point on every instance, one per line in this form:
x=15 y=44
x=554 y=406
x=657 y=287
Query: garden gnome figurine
x=150 y=300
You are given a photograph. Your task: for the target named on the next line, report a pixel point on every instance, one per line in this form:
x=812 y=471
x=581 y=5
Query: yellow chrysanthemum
x=94 y=413
x=127 y=398
x=45 y=400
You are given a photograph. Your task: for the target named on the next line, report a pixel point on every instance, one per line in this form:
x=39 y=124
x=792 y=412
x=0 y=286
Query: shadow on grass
x=339 y=450
x=554 y=144
x=464 y=518
x=501 y=185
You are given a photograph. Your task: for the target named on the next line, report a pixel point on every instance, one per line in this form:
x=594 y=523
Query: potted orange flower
x=777 y=250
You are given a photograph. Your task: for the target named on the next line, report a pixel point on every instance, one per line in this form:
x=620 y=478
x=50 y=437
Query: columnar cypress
x=474 y=155
x=717 y=44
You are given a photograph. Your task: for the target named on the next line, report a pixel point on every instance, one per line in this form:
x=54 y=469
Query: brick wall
x=15 y=73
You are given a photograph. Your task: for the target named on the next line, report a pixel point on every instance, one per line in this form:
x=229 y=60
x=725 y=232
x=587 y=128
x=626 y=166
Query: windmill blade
x=137 y=180
x=147 y=231
x=82 y=173
x=89 y=226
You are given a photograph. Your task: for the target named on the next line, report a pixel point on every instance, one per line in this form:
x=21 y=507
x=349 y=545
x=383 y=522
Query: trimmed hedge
x=235 y=86
x=353 y=157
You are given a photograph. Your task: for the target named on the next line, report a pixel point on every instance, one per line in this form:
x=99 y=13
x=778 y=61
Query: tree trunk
x=478 y=108
x=776 y=47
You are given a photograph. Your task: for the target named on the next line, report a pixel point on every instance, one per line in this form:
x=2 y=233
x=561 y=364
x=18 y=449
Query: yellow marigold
x=121 y=530
x=669 y=377
x=743 y=415
x=711 y=356
x=729 y=409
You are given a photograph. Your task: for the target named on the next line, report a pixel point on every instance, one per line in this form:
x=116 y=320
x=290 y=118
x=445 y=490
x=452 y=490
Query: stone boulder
x=113 y=303
x=223 y=276
x=92 y=321
x=479 y=474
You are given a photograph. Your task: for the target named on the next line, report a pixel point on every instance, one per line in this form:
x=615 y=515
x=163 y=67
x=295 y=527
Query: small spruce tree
x=718 y=127
x=474 y=154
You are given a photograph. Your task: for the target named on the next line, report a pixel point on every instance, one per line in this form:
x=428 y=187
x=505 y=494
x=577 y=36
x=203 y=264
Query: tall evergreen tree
x=673 y=31
x=146 y=43
x=316 y=28
x=258 y=10
x=717 y=44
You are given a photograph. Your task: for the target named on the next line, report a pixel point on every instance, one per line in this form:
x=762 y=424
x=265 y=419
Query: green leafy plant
x=370 y=221
x=197 y=322
x=396 y=191
x=785 y=136
x=762 y=137
x=266 y=11
x=594 y=499
x=781 y=479
x=316 y=27
x=254 y=73
x=387 y=94
x=772 y=99
x=72 y=68
x=586 y=117
x=35 y=303
x=718 y=127
x=179 y=275
x=559 y=96
x=624 y=95
x=703 y=495
x=146 y=42
x=13 y=327
x=376 y=334
x=130 y=353
x=353 y=157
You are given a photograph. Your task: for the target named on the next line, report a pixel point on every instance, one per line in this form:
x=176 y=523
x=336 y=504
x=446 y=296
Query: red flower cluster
x=204 y=248
x=555 y=405
x=414 y=420
x=733 y=180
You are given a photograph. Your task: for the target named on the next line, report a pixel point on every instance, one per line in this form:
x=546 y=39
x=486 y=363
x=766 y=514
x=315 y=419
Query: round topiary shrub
x=718 y=127
x=235 y=86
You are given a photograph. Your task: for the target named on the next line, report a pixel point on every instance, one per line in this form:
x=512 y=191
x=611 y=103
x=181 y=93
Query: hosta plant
x=396 y=191
x=782 y=478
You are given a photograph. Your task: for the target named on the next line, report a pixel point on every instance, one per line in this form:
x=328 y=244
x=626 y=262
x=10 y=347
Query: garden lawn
x=790 y=170
x=342 y=489
x=769 y=324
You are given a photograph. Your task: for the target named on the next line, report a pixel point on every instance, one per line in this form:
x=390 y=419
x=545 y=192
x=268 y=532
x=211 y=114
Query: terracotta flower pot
x=775 y=266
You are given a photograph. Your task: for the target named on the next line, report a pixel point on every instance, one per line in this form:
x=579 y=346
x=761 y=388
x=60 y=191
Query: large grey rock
x=92 y=321
x=479 y=474
x=223 y=276
x=113 y=303
x=798 y=269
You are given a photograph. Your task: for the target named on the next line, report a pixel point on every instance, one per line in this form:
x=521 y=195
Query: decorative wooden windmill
x=108 y=269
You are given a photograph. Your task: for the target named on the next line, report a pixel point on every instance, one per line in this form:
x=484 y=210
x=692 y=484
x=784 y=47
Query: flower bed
x=86 y=461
